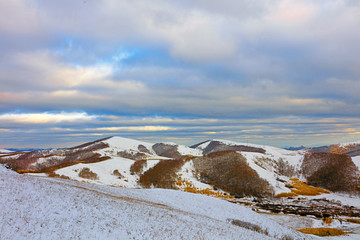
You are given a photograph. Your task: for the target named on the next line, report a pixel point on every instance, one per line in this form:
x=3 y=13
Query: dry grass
x=322 y=232
x=189 y=187
x=301 y=188
x=286 y=194
x=352 y=220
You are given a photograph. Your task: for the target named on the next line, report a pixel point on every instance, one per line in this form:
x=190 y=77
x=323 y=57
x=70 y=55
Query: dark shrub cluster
x=216 y=146
x=118 y=174
x=56 y=158
x=138 y=167
x=285 y=169
x=163 y=174
x=88 y=174
x=228 y=170
x=336 y=172
x=166 y=150
x=132 y=155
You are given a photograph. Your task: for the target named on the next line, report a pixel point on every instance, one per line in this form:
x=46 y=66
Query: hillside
x=124 y=162
x=264 y=178
x=45 y=208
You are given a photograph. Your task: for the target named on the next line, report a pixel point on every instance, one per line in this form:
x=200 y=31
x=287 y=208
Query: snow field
x=44 y=208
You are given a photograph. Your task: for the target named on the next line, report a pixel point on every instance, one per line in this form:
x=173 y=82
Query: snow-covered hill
x=125 y=162
x=4 y=151
x=48 y=208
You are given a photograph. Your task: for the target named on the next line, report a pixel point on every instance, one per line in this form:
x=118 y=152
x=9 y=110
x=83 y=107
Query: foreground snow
x=44 y=208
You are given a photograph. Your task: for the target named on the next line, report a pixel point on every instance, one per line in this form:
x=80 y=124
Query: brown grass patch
x=323 y=232
x=301 y=188
x=352 y=220
x=286 y=194
x=189 y=187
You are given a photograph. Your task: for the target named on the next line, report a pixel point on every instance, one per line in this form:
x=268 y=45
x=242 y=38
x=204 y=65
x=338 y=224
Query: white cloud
x=45 y=118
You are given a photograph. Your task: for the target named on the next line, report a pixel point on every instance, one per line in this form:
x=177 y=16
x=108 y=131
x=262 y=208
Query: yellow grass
x=286 y=194
x=322 y=232
x=301 y=188
x=189 y=187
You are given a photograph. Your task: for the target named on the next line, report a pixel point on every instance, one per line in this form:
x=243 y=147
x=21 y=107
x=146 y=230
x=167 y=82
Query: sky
x=279 y=72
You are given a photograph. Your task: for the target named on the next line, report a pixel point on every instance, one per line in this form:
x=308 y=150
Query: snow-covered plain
x=46 y=208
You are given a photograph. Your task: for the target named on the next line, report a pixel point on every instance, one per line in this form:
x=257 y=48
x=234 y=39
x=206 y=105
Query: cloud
x=194 y=64
x=137 y=129
x=45 y=118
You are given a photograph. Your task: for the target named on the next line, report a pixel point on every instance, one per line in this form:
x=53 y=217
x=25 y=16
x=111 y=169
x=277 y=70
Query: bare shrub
x=228 y=170
x=166 y=150
x=327 y=220
x=287 y=237
x=284 y=168
x=117 y=173
x=137 y=167
x=132 y=155
x=335 y=172
x=88 y=174
x=265 y=163
x=163 y=174
x=248 y=225
x=216 y=146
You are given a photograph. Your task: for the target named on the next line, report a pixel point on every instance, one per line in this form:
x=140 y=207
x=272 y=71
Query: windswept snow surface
x=356 y=161
x=105 y=170
x=44 y=208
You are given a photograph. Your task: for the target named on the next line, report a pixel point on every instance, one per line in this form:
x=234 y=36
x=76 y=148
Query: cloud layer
x=82 y=63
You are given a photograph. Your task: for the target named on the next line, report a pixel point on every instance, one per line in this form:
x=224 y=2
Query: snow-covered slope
x=43 y=208
x=4 y=151
x=107 y=148
x=356 y=161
